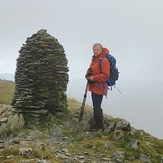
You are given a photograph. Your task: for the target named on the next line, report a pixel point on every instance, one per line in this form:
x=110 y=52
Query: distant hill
x=7 y=76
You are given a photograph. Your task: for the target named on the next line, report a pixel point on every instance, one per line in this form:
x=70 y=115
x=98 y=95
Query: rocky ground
x=62 y=139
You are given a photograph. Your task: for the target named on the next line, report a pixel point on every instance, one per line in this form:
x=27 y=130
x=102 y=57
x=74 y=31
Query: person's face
x=97 y=50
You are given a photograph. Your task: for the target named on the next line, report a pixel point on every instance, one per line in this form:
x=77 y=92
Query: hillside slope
x=6 y=91
x=62 y=139
x=140 y=102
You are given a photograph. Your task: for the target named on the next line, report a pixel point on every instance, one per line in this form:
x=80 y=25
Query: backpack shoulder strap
x=100 y=62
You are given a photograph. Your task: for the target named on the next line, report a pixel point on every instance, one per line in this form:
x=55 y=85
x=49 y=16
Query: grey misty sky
x=130 y=29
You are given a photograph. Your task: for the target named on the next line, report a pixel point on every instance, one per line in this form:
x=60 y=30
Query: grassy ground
x=6 y=91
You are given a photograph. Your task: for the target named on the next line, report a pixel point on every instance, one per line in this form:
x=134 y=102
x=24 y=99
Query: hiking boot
x=97 y=125
x=93 y=127
x=95 y=130
x=100 y=130
x=98 y=116
x=100 y=124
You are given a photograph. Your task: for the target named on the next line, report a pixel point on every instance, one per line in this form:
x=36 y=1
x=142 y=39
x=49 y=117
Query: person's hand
x=90 y=78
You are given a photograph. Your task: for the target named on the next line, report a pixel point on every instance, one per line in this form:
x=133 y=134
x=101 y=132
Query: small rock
x=26 y=152
x=9 y=157
x=81 y=157
x=64 y=150
x=16 y=140
x=105 y=159
x=2 y=120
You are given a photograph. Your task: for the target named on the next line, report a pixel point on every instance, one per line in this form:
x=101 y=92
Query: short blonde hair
x=97 y=44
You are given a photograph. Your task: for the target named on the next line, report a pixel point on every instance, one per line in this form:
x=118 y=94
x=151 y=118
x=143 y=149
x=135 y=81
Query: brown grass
x=6 y=91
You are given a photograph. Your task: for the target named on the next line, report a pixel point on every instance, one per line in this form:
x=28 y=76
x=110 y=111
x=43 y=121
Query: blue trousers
x=96 y=100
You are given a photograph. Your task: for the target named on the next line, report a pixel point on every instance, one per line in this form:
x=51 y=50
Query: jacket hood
x=105 y=51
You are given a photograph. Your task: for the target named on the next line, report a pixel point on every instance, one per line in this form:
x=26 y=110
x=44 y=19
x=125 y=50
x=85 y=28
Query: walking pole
x=83 y=103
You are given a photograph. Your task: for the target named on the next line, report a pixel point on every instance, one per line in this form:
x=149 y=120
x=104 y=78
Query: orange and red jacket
x=99 y=85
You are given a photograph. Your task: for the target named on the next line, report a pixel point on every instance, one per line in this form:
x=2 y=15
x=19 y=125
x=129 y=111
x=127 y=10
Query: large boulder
x=41 y=76
x=10 y=122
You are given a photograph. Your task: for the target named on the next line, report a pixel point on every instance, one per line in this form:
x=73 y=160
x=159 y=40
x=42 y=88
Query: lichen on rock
x=41 y=76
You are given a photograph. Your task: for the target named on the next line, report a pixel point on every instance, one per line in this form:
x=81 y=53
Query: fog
x=131 y=30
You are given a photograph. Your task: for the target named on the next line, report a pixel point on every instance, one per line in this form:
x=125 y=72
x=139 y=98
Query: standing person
x=97 y=83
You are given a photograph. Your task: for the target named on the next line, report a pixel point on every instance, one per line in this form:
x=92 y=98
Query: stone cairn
x=41 y=76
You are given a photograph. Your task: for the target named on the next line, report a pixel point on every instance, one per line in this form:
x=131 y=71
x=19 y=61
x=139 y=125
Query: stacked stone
x=41 y=76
